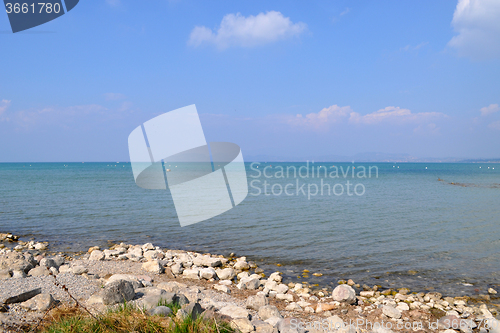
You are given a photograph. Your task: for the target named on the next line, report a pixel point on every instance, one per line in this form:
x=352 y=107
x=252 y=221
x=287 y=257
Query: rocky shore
x=33 y=281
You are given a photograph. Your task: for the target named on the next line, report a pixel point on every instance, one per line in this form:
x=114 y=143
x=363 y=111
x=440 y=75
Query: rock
x=249 y=283
x=130 y=278
x=79 y=270
x=39 y=271
x=321 y=307
x=207 y=261
x=181 y=314
x=41 y=302
x=391 y=312
x=193 y=309
x=208 y=273
x=281 y=288
x=256 y=302
x=268 y=311
x=241 y=265
x=148 y=246
x=172 y=286
x=293 y=307
x=15 y=261
x=285 y=297
x=64 y=269
x=226 y=273
x=262 y=326
x=5 y=274
x=335 y=323
x=344 y=293
x=402 y=306
x=276 y=277
x=18 y=274
x=222 y=288
x=118 y=292
x=48 y=262
x=40 y=246
x=177 y=269
x=191 y=274
x=22 y=297
x=242 y=324
x=369 y=293
x=97 y=255
x=492 y=291
x=273 y=321
x=153 y=266
x=289 y=325
x=162 y=311
x=234 y=312
x=181 y=299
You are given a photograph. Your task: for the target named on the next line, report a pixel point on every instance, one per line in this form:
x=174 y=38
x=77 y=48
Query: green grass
x=127 y=318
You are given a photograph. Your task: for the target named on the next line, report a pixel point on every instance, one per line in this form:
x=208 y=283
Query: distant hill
x=361 y=157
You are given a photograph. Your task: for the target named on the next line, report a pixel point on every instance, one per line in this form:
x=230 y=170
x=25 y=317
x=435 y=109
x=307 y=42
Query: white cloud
x=326 y=116
x=393 y=114
x=345 y=12
x=478 y=25
x=114 y=96
x=4 y=104
x=487 y=110
x=413 y=48
x=238 y=30
x=495 y=125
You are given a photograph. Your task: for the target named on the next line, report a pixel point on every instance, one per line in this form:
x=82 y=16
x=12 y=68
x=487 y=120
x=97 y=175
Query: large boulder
x=256 y=302
x=118 y=292
x=153 y=266
x=269 y=311
x=208 y=273
x=15 y=261
x=344 y=293
x=41 y=302
x=234 y=311
x=226 y=273
x=97 y=255
x=391 y=312
x=242 y=325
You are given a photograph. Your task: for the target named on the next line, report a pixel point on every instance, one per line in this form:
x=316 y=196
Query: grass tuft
x=127 y=318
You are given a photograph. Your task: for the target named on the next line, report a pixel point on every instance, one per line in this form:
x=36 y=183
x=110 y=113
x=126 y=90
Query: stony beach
x=34 y=280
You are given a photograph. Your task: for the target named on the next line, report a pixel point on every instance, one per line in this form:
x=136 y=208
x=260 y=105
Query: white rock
x=285 y=297
x=242 y=325
x=281 y=288
x=97 y=255
x=191 y=274
x=344 y=293
x=226 y=273
x=293 y=307
x=234 y=311
x=79 y=269
x=391 y=312
x=153 y=266
x=148 y=246
x=276 y=276
x=222 y=288
x=208 y=273
x=402 y=306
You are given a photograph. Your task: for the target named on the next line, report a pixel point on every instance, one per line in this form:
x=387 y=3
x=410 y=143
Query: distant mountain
x=361 y=157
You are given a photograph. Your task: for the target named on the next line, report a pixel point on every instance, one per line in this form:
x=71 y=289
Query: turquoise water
x=405 y=222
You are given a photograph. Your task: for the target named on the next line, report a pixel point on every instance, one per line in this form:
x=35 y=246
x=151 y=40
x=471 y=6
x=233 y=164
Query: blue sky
x=280 y=78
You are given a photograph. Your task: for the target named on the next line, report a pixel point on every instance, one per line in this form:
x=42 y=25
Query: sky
x=279 y=78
